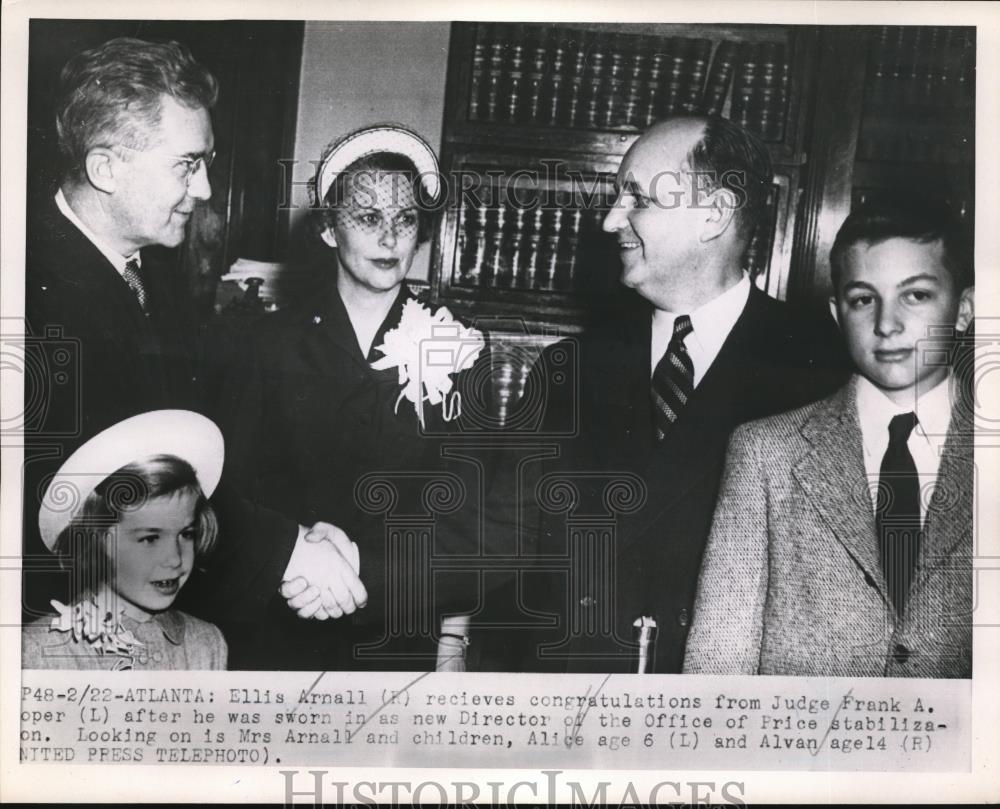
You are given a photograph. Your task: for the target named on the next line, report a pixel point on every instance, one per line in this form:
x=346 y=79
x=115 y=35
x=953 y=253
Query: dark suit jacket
x=100 y=360
x=128 y=362
x=635 y=525
x=792 y=582
x=318 y=434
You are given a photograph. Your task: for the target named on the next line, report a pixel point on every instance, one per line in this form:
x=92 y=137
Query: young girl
x=129 y=540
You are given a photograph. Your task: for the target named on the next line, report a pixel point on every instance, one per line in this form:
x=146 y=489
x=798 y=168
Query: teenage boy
x=842 y=541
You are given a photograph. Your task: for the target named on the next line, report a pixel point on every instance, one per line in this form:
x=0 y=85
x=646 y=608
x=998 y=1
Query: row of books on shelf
x=556 y=249
x=553 y=76
x=961 y=205
x=509 y=246
x=509 y=379
x=913 y=65
x=915 y=145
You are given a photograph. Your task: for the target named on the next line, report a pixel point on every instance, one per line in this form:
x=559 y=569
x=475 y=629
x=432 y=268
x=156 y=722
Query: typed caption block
x=512 y=721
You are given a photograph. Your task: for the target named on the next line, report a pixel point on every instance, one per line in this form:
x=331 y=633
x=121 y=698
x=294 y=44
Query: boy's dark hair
x=78 y=546
x=920 y=220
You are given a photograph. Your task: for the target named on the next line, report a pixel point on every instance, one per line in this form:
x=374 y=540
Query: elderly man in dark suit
x=842 y=543
x=136 y=140
x=655 y=394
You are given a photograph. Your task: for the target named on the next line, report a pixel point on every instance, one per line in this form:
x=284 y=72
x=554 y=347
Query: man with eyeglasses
x=136 y=141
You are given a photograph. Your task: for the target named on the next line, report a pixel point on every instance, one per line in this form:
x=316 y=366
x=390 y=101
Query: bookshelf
x=917 y=128
x=531 y=239
x=847 y=113
x=537 y=120
x=894 y=111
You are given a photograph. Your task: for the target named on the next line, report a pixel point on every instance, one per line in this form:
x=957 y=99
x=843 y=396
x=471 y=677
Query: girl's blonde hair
x=78 y=546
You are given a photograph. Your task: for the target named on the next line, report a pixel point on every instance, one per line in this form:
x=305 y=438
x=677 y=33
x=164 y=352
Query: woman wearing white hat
x=128 y=516
x=341 y=390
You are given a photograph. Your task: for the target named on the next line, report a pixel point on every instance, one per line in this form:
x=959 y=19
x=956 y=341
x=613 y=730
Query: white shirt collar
x=875 y=411
x=711 y=324
x=117 y=260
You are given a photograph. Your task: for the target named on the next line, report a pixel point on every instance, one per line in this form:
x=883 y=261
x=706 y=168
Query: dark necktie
x=673 y=380
x=133 y=278
x=897 y=517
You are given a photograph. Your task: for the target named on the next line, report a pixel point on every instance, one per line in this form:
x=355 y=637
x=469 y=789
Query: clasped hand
x=322 y=578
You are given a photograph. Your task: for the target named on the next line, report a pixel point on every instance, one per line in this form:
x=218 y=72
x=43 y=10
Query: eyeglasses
x=191 y=164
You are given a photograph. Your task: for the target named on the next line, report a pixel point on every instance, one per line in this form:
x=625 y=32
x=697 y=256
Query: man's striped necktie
x=133 y=278
x=673 y=380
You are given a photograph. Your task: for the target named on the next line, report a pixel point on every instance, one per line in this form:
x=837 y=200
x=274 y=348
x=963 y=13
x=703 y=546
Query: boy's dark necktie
x=673 y=380
x=897 y=515
x=133 y=277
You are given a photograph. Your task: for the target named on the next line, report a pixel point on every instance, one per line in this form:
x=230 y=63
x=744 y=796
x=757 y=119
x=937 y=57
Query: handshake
x=321 y=580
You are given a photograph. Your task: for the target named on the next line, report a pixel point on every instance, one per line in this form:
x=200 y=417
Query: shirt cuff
x=299 y=538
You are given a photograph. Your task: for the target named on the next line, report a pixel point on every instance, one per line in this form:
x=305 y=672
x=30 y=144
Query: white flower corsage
x=100 y=628
x=427 y=349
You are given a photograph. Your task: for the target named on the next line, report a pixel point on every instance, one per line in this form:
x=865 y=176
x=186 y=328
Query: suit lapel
x=78 y=264
x=713 y=411
x=165 y=296
x=334 y=326
x=832 y=474
x=391 y=321
x=690 y=451
x=949 y=518
x=617 y=392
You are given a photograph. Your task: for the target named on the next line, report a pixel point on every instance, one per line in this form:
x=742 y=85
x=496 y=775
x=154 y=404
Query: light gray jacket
x=791 y=581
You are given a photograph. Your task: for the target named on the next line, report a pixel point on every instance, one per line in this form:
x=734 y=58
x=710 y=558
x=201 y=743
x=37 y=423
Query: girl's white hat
x=182 y=433
x=379 y=138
